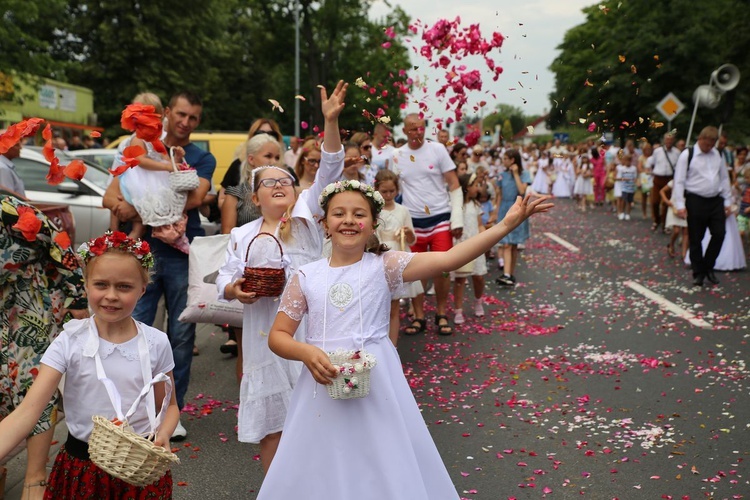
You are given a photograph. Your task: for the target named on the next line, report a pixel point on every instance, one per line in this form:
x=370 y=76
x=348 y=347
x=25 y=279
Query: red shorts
x=439 y=241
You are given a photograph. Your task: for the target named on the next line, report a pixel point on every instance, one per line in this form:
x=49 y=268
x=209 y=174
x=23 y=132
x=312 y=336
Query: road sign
x=670 y=106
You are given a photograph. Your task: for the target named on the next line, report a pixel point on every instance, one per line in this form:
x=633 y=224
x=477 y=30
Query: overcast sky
x=532 y=30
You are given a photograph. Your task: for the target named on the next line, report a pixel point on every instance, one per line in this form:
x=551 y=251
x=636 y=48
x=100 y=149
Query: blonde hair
x=252 y=147
x=149 y=99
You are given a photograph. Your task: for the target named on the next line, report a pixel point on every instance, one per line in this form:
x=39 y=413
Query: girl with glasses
x=286 y=220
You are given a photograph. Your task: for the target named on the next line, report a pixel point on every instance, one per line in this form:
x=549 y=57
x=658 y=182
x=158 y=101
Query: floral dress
x=39 y=279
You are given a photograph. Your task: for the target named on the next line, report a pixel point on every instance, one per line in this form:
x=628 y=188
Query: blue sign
x=563 y=137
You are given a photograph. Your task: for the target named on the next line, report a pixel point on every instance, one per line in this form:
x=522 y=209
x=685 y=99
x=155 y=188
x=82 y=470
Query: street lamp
x=723 y=79
x=296 y=67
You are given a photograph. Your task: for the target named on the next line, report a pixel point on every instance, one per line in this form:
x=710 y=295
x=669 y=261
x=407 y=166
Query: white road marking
x=667 y=305
x=562 y=242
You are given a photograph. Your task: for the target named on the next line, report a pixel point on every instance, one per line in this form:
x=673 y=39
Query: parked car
x=84 y=197
x=59 y=216
x=100 y=156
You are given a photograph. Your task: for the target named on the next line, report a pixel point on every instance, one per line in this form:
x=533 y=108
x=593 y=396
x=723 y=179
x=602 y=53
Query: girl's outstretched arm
x=428 y=264
x=281 y=342
x=16 y=427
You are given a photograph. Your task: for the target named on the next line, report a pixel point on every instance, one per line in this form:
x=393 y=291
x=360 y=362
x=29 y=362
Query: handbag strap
x=147 y=391
x=281 y=250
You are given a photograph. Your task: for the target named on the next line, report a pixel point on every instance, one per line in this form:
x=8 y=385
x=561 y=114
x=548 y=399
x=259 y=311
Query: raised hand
x=332 y=106
x=524 y=208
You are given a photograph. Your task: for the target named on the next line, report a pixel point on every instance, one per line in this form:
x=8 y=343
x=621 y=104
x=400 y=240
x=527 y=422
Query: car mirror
x=68 y=187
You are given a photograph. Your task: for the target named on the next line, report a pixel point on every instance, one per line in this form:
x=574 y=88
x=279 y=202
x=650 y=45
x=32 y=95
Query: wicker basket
x=182 y=180
x=264 y=281
x=353 y=380
x=123 y=454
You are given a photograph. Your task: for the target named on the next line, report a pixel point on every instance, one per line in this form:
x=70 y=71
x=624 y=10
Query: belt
x=710 y=198
x=77 y=448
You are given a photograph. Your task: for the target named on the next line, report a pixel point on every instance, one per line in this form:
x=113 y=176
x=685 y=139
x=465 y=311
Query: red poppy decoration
x=56 y=173
x=95 y=134
x=28 y=223
x=63 y=239
x=75 y=170
x=18 y=131
x=143 y=120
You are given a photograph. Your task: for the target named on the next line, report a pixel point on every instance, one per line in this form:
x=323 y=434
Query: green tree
x=507 y=130
x=614 y=68
x=28 y=36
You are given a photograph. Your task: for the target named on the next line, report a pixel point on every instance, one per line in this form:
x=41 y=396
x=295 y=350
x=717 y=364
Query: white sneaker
x=478 y=308
x=458 y=319
x=627 y=216
x=621 y=216
x=431 y=291
x=180 y=433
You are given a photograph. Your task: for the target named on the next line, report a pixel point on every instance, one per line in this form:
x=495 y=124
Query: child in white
x=116 y=276
x=626 y=174
x=268 y=380
x=583 y=187
x=396 y=231
x=378 y=446
x=478 y=267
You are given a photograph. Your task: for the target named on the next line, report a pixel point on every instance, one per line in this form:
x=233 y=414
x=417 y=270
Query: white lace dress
x=149 y=191
x=268 y=380
x=376 y=447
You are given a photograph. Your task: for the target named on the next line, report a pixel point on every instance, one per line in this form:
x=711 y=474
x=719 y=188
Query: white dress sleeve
x=394 y=264
x=331 y=169
x=293 y=302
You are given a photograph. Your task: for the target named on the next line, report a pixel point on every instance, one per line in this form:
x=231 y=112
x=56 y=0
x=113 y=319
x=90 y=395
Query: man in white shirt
x=662 y=164
x=702 y=195
x=424 y=169
x=9 y=179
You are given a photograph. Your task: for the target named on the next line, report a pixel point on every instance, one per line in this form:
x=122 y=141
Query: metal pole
x=692 y=121
x=296 y=68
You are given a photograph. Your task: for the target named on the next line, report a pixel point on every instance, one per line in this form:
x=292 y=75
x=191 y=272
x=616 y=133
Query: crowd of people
x=408 y=218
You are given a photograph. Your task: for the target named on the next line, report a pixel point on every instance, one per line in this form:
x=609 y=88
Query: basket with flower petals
x=353 y=379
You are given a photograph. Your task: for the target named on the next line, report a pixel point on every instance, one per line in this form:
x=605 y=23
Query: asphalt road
x=574 y=384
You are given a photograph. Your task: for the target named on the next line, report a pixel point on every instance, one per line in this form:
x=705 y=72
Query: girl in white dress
x=396 y=231
x=561 y=188
x=478 y=267
x=377 y=446
x=541 y=184
x=267 y=380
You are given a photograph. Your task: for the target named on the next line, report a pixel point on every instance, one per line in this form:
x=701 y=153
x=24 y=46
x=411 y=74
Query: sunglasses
x=266 y=132
x=367 y=148
x=311 y=161
x=271 y=183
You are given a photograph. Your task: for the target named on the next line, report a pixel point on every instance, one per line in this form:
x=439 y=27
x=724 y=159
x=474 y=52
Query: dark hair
x=514 y=155
x=464 y=180
x=595 y=153
x=190 y=97
x=385 y=176
x=457 y=147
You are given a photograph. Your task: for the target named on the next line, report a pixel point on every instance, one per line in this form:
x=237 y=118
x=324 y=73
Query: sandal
x=670 y=250
x=39 y=484
x=443 y=329
x=654 y=226
x=417 y=326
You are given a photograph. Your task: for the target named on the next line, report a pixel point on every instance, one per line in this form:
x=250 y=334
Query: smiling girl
x=376 y=446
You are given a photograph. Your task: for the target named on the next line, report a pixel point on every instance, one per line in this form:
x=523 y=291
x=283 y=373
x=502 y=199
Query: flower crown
x=341 y=186
x=117 y=240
